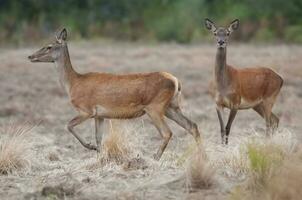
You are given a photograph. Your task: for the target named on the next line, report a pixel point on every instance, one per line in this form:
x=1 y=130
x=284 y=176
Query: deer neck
x=67 y=74
x=221 y=70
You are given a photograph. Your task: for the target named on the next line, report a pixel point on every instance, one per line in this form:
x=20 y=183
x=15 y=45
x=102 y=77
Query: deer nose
x=220 y=42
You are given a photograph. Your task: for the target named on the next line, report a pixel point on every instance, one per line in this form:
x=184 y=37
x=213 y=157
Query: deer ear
x=62 y=35
x=209 y=25
x=234 y=25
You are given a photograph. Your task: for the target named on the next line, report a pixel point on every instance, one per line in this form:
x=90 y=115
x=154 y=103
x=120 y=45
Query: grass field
x=51 y=164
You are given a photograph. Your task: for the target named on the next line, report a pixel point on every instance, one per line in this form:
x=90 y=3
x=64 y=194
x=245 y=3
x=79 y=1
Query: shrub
x=286 y=182
x=199 y=172
x=263 y=158
x=274 y=174
x=265 y=35
x=115 y=147
x=14 y=148
x=294 y=34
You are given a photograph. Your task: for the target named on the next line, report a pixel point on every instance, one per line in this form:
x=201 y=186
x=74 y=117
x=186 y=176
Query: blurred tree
x=164 y=20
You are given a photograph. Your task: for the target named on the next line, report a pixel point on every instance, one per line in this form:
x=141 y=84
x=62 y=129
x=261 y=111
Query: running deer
x=239 y=89
x=103 y=95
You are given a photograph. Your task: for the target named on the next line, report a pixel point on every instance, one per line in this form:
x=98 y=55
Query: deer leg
x=271 y=120
x=177 y=116
x=99 y=121
x=267 y=116
x=260 y=109
x=274 y=121
x=76 y=121
x=268 y=125
x=232 y=115
x=222 y=129
x=163 y=129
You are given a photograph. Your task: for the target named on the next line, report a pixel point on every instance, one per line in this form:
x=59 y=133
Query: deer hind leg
x=99 y=122
x=175 y=114
x=158 y=121
x=222 y=129
x=265 y=111
x=232 y=116
x=76 y=121
x=274 y=121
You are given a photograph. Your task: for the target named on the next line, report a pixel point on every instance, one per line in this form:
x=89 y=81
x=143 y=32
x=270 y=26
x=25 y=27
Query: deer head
x=221 y=34
x=52 y=51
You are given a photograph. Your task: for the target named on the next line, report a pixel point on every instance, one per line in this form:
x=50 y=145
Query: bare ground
x=62 y=168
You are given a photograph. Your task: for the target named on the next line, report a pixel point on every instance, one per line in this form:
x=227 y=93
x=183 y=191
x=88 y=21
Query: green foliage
x=294 y=34
x=164 y=20
x=275 y=173
x=174 y=22
x=260 y=163
x=264 y=35
x=263 y=160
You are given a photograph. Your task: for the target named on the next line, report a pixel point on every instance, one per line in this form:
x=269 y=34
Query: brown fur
x=249 y=84
x=124 y=96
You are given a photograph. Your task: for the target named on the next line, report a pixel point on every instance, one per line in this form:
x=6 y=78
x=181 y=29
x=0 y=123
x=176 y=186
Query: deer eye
x=215 y=33
x=228 y=33
x=48 y=47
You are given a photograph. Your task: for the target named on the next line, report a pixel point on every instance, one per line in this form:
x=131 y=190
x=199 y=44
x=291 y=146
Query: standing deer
x=103 y=95
x=238 y=89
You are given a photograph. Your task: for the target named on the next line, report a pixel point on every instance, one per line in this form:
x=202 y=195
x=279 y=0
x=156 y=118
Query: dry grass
x=274 y=172
x=263 y=161
x=199 y=172
x=52 y=156
x=29 y=87
x=236 y=161
x=252 y=153
x=115 y=147
x=286 y=182
x=283 y=182
x=186 y=154
x=14 y=147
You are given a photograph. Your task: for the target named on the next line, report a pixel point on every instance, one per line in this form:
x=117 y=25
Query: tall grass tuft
x=14 y=147
x=274 y=173
x=286 y=182
x=115 y=147
x=199 y=172
x=263 y=159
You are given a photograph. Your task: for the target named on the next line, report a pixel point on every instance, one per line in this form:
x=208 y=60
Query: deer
x=102 y=96
x=254 y=88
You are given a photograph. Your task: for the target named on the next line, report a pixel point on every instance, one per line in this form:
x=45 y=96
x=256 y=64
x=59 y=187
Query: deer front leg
x=222 y=129
x=76 y=121
x=99 y=122
x=232 y=115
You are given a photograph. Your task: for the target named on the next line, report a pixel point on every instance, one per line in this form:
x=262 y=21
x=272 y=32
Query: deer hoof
x=91 y=147
x=226 y=140
x=222 y=140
